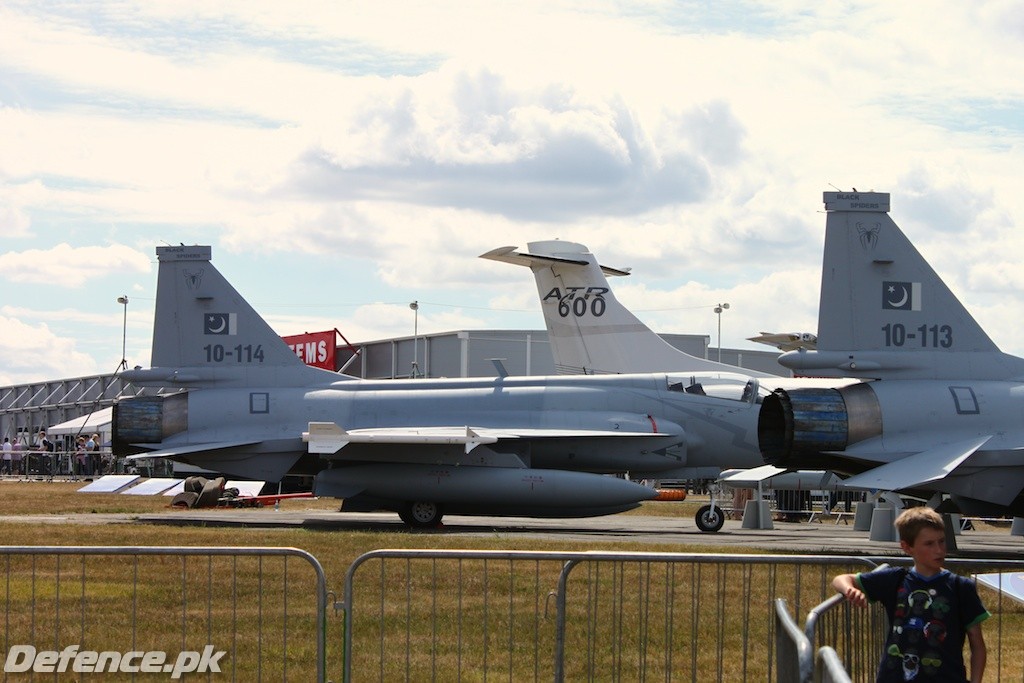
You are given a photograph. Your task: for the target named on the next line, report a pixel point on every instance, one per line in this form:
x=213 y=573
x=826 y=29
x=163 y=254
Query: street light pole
x=415 y=306
x=718 y=310
x=123 y=300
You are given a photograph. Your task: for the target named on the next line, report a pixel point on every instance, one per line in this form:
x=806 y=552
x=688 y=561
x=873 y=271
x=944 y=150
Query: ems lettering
x=311 y=352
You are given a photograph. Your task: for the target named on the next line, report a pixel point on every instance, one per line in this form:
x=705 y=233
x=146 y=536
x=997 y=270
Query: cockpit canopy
x=731 y=386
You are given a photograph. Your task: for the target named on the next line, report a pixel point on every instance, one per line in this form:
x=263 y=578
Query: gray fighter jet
x=944 y=414
x=532 y=446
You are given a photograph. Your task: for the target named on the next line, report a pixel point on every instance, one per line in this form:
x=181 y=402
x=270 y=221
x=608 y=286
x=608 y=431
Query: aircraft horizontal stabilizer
x=920 y=468
x=510 y=255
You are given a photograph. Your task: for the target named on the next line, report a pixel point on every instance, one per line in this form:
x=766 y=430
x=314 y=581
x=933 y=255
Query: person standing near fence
x=931 y=610
x=97 y=457
x=16 y=458
x=46 y=456
x=8 y=454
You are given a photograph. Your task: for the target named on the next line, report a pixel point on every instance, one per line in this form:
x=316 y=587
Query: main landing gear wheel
x=422 y=515
x=710 y=518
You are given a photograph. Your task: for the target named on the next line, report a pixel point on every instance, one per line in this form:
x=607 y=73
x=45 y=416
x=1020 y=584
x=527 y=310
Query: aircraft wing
x=328 y=437
x=920 y=468
x=185 y=449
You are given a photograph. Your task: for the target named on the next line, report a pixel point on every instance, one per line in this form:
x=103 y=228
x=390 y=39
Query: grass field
x=628 y=620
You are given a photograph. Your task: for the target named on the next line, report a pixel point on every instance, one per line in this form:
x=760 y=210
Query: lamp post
x=415 y=306
x=123 y=300
x=718 y=310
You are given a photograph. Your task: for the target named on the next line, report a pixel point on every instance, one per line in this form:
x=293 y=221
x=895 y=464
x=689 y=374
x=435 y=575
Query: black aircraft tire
x=422 y=515
x=710 y=519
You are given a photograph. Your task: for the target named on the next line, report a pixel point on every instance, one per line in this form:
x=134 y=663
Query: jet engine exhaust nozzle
x=794 y=426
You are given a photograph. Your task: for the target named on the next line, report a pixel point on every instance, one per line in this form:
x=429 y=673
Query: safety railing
x=252 y=613
x=841 y=642
x=450 y=614
x=828 y=667
x=522 y=615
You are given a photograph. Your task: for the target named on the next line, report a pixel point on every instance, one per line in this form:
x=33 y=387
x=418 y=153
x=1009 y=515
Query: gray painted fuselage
x=685 y=430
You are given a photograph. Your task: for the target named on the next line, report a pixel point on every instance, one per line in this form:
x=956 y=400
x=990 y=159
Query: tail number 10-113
x=925 y=336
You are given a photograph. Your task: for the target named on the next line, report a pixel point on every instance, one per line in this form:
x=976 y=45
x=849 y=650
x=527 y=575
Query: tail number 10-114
x=218 y=353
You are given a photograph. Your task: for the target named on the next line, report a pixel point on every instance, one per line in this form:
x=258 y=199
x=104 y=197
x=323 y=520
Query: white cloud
x=65 y=266
x=30 y=353
x=688 y=140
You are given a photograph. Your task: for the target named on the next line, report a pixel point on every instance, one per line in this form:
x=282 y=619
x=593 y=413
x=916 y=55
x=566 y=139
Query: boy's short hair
x=912 y=520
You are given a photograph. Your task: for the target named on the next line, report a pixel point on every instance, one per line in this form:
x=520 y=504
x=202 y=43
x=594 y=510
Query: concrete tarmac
x=825 y=537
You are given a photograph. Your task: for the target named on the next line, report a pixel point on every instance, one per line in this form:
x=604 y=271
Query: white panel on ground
x=1009 y=583
x=246 y=488
x=109 y=483
x=152 y=486
x=176 y=489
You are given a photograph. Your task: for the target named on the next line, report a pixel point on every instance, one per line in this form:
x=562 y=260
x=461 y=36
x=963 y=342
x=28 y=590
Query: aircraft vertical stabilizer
x=590 y=331
x=884 y=312
x=204 y=331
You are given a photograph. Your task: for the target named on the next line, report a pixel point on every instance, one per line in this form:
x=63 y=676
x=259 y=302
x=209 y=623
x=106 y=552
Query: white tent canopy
x=92 y=423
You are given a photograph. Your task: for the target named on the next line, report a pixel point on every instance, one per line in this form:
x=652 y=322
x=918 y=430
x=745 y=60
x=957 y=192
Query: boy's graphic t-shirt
x=928 y=623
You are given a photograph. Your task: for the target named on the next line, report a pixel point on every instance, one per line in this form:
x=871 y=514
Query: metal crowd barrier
x=458 y=614
x=851 y=639
x=520 y=615
x=799 y=662
x=828 y=667
x=268 y=616
x=793 y=650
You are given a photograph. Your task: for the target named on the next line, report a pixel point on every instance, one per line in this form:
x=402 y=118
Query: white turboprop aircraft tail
x=884 y=313
x=590 y=331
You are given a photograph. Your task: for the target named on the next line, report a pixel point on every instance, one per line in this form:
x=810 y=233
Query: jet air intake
x=147 y=420
x=795 y=426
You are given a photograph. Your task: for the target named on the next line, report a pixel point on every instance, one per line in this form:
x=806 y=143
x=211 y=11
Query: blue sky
x=346 y=158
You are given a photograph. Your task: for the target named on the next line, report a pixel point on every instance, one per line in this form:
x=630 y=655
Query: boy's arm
x=847 y=585
x=978 y=654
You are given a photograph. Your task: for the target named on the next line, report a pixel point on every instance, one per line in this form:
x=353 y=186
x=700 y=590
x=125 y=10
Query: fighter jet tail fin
x=884 y=312
x=205 y=332
x=590 y=331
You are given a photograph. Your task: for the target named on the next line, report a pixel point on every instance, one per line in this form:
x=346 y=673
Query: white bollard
x=862 y=516
x=1017 y=527
x=883 y=527
x=757 y=514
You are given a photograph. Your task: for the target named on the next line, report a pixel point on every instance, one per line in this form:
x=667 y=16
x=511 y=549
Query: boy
x=930 y=609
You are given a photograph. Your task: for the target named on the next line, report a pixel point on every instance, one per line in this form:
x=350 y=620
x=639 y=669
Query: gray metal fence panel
x=859 y=634
x=265 y=607
x=793 y=651
x=443 y=615
x=828 y=667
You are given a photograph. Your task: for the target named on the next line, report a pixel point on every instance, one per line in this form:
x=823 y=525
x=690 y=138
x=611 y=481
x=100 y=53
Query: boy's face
x=928 y=550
